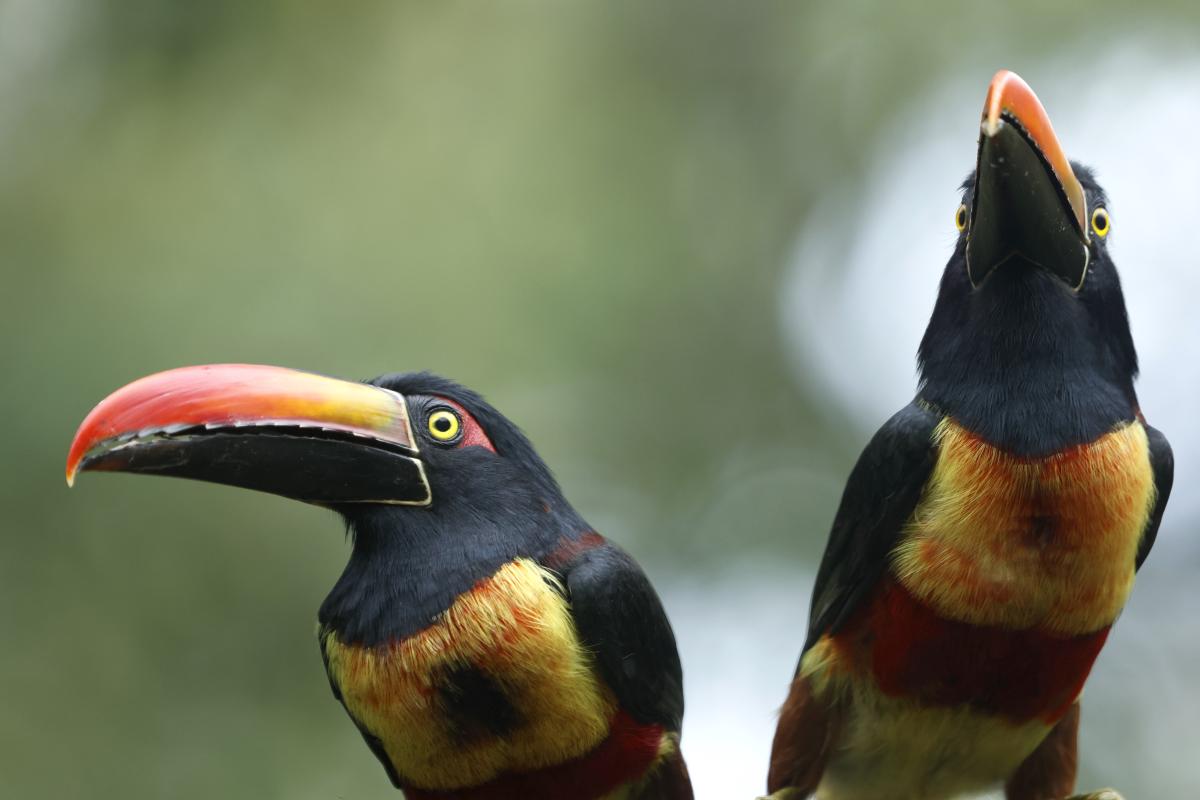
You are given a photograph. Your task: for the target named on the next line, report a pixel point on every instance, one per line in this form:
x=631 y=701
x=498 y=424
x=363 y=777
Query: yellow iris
x=960 y=218
x=1100 y=222
x=444 y=425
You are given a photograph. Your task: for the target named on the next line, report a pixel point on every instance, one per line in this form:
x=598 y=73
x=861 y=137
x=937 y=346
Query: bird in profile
x=484 y=640
x=990 y=532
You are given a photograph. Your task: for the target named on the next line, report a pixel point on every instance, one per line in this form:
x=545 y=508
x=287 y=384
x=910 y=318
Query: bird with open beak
x=989 y=534
x=485 y=641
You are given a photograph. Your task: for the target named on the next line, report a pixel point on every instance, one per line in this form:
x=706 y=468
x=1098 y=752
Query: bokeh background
x=688 y=247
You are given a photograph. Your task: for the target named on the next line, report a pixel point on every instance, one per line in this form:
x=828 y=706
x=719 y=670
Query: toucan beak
x=304 y=436
x=1027 y=201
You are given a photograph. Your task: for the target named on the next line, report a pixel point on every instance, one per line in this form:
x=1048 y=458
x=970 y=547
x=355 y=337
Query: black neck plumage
x=1022 y=363
x=409 y=565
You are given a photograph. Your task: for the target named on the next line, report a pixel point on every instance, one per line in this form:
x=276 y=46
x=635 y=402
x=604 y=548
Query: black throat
x=408 y=565
x=1024 y=362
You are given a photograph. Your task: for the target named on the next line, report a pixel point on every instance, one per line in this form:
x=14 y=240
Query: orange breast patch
x=1020 y=543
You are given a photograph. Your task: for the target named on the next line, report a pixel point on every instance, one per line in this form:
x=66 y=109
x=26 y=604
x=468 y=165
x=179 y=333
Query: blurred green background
x=582 y=210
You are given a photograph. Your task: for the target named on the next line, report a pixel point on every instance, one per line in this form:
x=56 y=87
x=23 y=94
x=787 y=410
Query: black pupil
x=1101 y=220
x=962 y=217
x=442 y=424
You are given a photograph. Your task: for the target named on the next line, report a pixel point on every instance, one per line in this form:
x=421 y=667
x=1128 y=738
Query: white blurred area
x=858 y=294
x=739 y=637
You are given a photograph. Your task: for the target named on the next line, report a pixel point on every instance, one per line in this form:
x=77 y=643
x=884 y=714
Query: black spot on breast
x=1043 y=521
x=474 y=704
x=1042 y=528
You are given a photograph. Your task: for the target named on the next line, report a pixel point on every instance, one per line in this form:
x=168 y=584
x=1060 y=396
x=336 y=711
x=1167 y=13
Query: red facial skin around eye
x=472 y=434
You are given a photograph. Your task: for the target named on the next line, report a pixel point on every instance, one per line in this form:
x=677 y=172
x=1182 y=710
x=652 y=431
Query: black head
x=1029 y=343
x=1025 y=359
x=492 y=499
x=484 y=475
x=403 y=458
x=437 y=487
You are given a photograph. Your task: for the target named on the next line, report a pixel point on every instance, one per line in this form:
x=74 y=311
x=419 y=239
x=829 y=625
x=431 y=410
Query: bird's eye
x=960 y=217
x=444 y=426
x=1100 y=222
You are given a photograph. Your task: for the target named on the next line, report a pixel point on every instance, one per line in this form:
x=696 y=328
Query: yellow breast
x=1029 y=542
x=514 y=627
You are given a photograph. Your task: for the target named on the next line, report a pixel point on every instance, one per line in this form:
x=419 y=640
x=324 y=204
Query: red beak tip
x=75 y=456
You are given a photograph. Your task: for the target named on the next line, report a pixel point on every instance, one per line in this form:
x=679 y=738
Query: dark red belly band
x=626 y=755
x=1019 y=674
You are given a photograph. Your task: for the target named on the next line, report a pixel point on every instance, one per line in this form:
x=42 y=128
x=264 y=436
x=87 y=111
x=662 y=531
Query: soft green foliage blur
x=581 y=210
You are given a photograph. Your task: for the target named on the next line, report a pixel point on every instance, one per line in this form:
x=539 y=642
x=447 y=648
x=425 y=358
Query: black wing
x=622 y=623
x=1162 y=461
x=880 y=495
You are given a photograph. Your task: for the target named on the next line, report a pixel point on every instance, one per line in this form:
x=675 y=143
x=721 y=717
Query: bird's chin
x=1018 y=276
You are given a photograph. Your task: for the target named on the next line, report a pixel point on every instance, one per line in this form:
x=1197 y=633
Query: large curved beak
x=304 y=436
x=1027 y=201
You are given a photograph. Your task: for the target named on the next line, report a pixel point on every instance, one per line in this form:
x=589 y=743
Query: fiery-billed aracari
x=485 y=641
x=989 y=534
